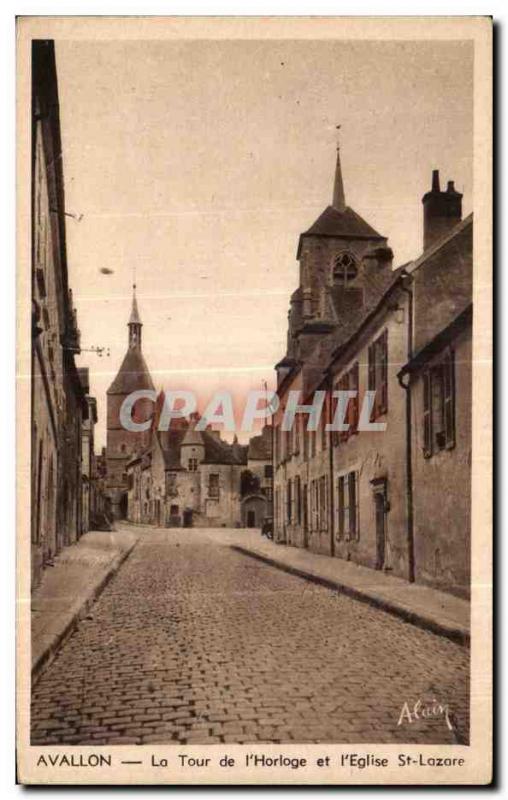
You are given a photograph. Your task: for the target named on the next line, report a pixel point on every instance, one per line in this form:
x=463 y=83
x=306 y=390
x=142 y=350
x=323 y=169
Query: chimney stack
x=441 y=210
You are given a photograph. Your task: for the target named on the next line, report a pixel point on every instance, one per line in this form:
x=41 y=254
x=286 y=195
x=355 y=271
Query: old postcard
x=254 y=400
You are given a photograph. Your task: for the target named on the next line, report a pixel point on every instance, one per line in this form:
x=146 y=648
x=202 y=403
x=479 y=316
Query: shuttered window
x=349 y=382
x=323 y=421
x=427 y=415
x=449 y=399
x=378 y=374
x=343 y=387
x=439 y=406
x=354 y=405
x=339 y=525
x=348 y=526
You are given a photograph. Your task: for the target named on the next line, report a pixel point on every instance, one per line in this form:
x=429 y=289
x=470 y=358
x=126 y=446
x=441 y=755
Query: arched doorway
x=123 y=506
x=254 y=510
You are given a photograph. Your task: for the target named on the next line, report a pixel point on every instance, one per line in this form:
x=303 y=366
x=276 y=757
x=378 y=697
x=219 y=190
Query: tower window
x=345 y=269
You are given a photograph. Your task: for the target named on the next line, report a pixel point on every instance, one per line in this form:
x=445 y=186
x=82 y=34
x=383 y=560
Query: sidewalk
x=68 y=589
x=428 y=608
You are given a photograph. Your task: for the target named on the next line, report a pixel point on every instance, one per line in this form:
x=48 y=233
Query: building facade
x=438 y=381
x=58 y=400
x=123 y=444
x=355 y=325
x=187 y=478
x=257 y=480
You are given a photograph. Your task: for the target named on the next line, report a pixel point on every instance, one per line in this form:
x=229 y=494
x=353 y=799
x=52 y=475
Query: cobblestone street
x=193 y=642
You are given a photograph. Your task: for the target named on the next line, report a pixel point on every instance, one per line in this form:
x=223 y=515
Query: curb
x=455 y=634
x=48 y=655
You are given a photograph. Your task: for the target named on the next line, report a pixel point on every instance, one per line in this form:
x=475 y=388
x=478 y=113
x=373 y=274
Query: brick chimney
x=441 y=210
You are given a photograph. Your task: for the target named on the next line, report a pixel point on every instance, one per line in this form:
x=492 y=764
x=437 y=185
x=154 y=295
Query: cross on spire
x=339 y=198
x=134 y=323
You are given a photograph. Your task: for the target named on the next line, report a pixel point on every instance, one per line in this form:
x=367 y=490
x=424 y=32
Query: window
x=348 y=507
x=289 y=500
x=213 y=485
x=192 y=464
x=349 y=382
x=173 y=510
x=313 y=442
x=439 y=406
x=378 y=374
x=171 y=484
x=353 y=410
x=287 y=448
x=323 y=422
x=268 y=471
x=345 y=269
x=298 y=493
x=305 y=436
x=296 y=428
x=323 y=503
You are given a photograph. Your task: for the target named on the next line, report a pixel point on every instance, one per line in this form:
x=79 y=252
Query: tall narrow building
x=335 y=277
x=121 y=443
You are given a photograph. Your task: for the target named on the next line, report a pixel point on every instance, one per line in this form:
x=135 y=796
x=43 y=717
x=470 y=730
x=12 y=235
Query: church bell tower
x=123 y=444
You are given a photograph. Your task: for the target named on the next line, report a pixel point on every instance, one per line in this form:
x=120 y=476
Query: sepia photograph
x=258 y=352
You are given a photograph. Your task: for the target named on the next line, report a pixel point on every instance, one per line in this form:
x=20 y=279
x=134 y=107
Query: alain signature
x=421 y=710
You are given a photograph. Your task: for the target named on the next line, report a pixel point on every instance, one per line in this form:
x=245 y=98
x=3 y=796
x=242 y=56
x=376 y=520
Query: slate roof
x=217 y=451
x=134 y=318
x=347 y=224
x=132 y=375
x=259 y=448
x=220 y=452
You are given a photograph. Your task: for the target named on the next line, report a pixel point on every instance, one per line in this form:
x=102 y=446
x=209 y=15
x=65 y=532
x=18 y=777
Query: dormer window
x=345 y=269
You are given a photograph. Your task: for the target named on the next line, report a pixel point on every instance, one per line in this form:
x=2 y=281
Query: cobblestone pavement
x=193 y=642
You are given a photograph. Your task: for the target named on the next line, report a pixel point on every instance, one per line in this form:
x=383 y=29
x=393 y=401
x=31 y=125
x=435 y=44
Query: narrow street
x=193 y=642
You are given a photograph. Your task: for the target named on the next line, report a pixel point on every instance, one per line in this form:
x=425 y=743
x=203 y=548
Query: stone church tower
x=120 y=443
x=340 y=258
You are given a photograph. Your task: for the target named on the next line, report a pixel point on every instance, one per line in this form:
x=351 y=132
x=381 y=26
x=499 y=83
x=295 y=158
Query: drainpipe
x=409 y=456
x=330 y=458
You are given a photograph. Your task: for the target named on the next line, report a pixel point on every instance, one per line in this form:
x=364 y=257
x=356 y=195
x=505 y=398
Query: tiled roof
x=259 y=448
x=342 y=224
x=217 y=451
x=132 y=375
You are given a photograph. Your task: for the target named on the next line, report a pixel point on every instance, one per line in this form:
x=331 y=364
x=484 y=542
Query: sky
x=197 y=164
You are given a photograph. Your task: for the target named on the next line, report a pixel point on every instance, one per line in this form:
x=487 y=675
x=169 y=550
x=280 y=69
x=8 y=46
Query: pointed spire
x=339 y=200
x=134 y=318
x=134 y=324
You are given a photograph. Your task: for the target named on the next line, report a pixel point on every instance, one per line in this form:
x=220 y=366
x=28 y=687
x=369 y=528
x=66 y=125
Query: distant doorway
x=305 y=516
x=251 y=519
x=188 y=518
x=123 y=506
x=379 y=486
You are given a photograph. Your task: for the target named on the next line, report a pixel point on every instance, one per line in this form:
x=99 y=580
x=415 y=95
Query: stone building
x=88 y=467
x=58 y=400
x=257 y=480
x=438 y=381
x=355 y=324
x=122 y=444
x=186 y=478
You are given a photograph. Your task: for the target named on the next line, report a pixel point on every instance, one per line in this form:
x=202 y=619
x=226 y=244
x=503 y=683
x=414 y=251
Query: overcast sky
x=197 y=164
